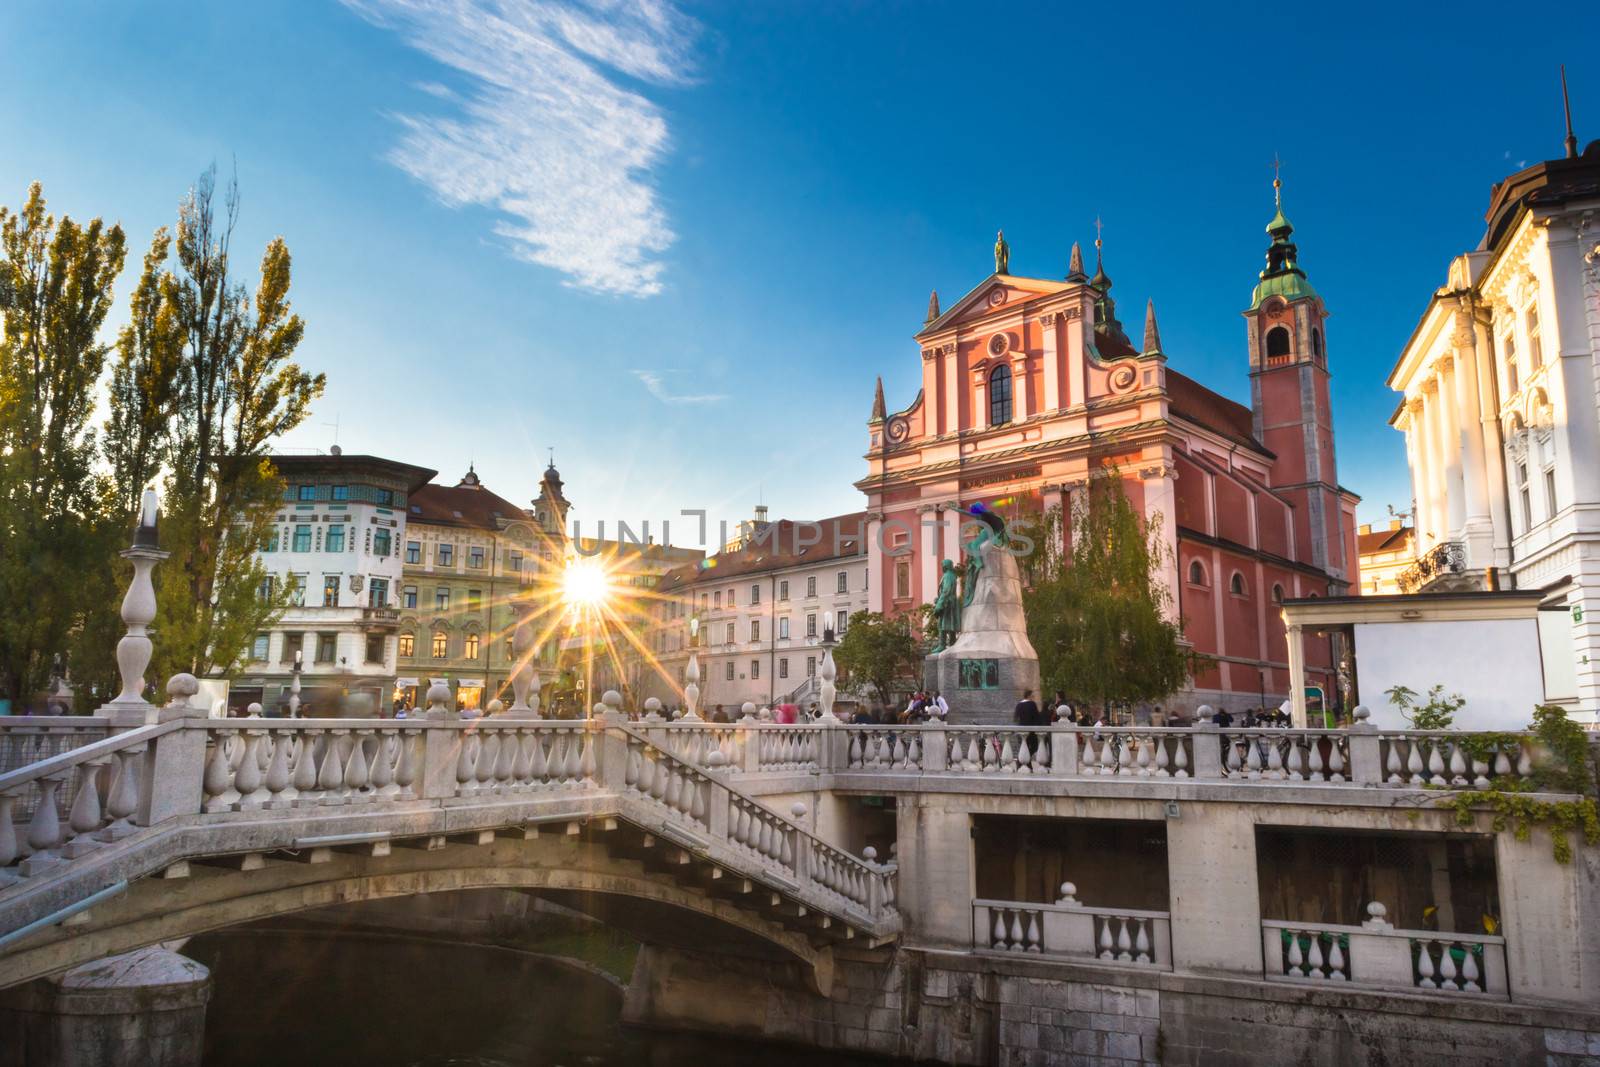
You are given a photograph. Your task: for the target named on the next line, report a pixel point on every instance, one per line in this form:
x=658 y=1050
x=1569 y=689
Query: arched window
x=1197 y=573
x=1000 y=395
x=1236 y=584
x=1277 y=341
x=1277 y=593
x=1316 y=343
x=472 y=646
x=441 y=644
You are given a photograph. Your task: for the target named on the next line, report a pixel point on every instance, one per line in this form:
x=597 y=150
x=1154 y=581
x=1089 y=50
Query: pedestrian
x=940 y=707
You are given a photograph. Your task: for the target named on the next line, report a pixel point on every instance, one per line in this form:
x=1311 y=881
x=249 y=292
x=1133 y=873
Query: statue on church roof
x=1002 y=254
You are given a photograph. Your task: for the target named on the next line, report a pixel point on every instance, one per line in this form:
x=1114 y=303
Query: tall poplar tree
x=237 y=389
x=55 y=292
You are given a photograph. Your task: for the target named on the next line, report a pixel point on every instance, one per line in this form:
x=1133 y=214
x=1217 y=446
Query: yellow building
x=1385 y=555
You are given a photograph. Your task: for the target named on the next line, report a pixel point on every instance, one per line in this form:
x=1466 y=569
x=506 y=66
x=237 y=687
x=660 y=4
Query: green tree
x=880 y=650
x=55 y=293
x=1098 y=614
x=238 y=389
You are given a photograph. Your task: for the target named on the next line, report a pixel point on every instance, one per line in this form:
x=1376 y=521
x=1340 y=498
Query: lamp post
x=525 y=676
x=827 y=672
x=138 y=612
x=691 y=673
x=294 y=684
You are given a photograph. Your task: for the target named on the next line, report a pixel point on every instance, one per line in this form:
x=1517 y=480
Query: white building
x=1501 y=413
x=763 y=605
x=336 y=547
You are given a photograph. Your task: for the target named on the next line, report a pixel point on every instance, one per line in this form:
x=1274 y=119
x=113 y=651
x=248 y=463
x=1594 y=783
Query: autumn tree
x=1098 y=613
x=55 y=293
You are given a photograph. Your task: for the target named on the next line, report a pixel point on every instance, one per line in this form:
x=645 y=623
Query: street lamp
x=691 y=673
x=294 y=684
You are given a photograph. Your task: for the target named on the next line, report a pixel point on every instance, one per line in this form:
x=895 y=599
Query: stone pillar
x=1020 y=406
x=1474 y=460
x=1297 y=676
x=1450 y=417
x=1214 y=895
x=141 y=1009
x=1493 y=448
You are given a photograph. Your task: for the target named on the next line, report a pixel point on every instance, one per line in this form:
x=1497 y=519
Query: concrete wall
x=1016 y=1011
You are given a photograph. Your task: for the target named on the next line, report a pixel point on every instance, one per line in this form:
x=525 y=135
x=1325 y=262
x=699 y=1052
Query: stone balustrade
x=1070 y=930
x=1376 y=955
x=1359 y=756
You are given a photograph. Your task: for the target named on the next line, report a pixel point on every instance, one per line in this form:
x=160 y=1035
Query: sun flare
x=585 y=584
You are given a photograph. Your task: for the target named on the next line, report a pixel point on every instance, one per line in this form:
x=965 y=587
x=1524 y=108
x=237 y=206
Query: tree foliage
x=880 y=650
x=1098 y=613
x=55 y=293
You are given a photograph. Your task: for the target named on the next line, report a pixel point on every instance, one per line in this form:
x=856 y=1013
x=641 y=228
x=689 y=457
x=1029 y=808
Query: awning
x=469 y=683
x=406 y=683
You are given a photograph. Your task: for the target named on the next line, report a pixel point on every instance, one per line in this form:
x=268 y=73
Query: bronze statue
x=947 y=607
x=1002 y=254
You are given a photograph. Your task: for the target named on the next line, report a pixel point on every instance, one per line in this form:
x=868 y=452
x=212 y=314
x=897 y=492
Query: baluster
x=1295 y=961
x=305 y=768
x=486 y=759
x=1314 y=962
x=1414 y=763
x=1253 y=757
x=974 y=760
x=1024 y=755
x=1142 y=760
x=1106 y=952
x=1125 y=754
x=1294 y=765
x=1274 y=758
x=382 y=764
x=44 y=830
x=1180 y=757
x=1502 y=762
x=277 y=780
x=1447 y=968
x=506 y=762
x=1435 y=761
x=1392 y=765
x=1159 y=741
x=1124 y=942
x=1233 y=757
x=1336 y=959
x=218 y=774
x=522 y=768
x=124 y=801
x=539 y=765
x=586 y=763
x=913 y=751
x=1314 y=756
x=1016 y=930
x=466 y=775
x=84 y=818
x=331 y=776
x=1524 y=760
x=1469 y=972
x=1034 y=938
x=1141 y=943
x=1425 y=966
x=357 y=774
x=1480 y=773
x=1458 y=765
x=999 y=936
x=1336 y=759
x=248 y=777
x=854 y=757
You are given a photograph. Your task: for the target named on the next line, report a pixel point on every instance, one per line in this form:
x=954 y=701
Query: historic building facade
x=1030 y=388
x=470 y=559
x=763 y=605
x=1501 y=412
x=335 y=547
x=1386 y=556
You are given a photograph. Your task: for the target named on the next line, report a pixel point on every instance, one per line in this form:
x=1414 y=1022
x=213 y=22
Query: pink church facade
x=1030 y=387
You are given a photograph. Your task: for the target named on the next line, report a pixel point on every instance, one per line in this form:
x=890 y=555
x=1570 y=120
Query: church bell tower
x=1289 y=400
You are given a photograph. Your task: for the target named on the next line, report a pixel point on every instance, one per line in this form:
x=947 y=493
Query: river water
x=284 y=999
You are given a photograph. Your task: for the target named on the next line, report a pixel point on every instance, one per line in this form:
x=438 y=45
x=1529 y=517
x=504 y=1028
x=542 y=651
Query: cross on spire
x=1277 y=180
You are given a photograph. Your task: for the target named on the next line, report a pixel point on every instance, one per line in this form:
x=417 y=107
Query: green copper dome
x=1283 y=277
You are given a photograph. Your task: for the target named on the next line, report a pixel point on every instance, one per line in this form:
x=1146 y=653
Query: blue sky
x=678 y=243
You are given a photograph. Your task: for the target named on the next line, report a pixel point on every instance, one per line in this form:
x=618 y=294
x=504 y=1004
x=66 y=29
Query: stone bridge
x=189 y=824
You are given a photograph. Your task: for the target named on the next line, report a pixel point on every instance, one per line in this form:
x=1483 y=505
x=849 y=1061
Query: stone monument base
x=1012 y=675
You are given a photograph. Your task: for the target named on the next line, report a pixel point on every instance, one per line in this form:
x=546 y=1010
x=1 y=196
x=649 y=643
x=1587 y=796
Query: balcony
x=1375 y=955
x=1069 y=930
x=1444 y=559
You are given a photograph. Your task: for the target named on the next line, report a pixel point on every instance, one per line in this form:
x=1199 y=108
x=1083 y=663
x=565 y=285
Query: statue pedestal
x=992 y=662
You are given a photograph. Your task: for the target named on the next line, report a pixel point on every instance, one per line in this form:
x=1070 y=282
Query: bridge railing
x=1357 y=756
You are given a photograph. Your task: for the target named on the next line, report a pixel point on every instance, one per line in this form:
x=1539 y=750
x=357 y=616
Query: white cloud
x=659 y=390
x=544 y=134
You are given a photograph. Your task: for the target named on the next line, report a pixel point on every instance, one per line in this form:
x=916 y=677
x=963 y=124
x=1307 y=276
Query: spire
x=1101 y=280
x=1152 y=335
x=1283 y=276
x=933 y=307
x=1566 y=103
x=878 y=412
x=1075 y=266
x=1002 y=254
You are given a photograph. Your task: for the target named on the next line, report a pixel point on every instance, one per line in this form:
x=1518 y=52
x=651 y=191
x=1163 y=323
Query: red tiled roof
x=459 y=505
x=776 y=548
x=1188 y=399
x=1384 y=540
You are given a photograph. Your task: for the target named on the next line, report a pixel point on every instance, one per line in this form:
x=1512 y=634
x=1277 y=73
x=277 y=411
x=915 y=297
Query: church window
x=1277 y=593
x=1197 y=573
x=1000 y=396
x=1316 y=344
x=1236 y=584
x=1277 y=342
